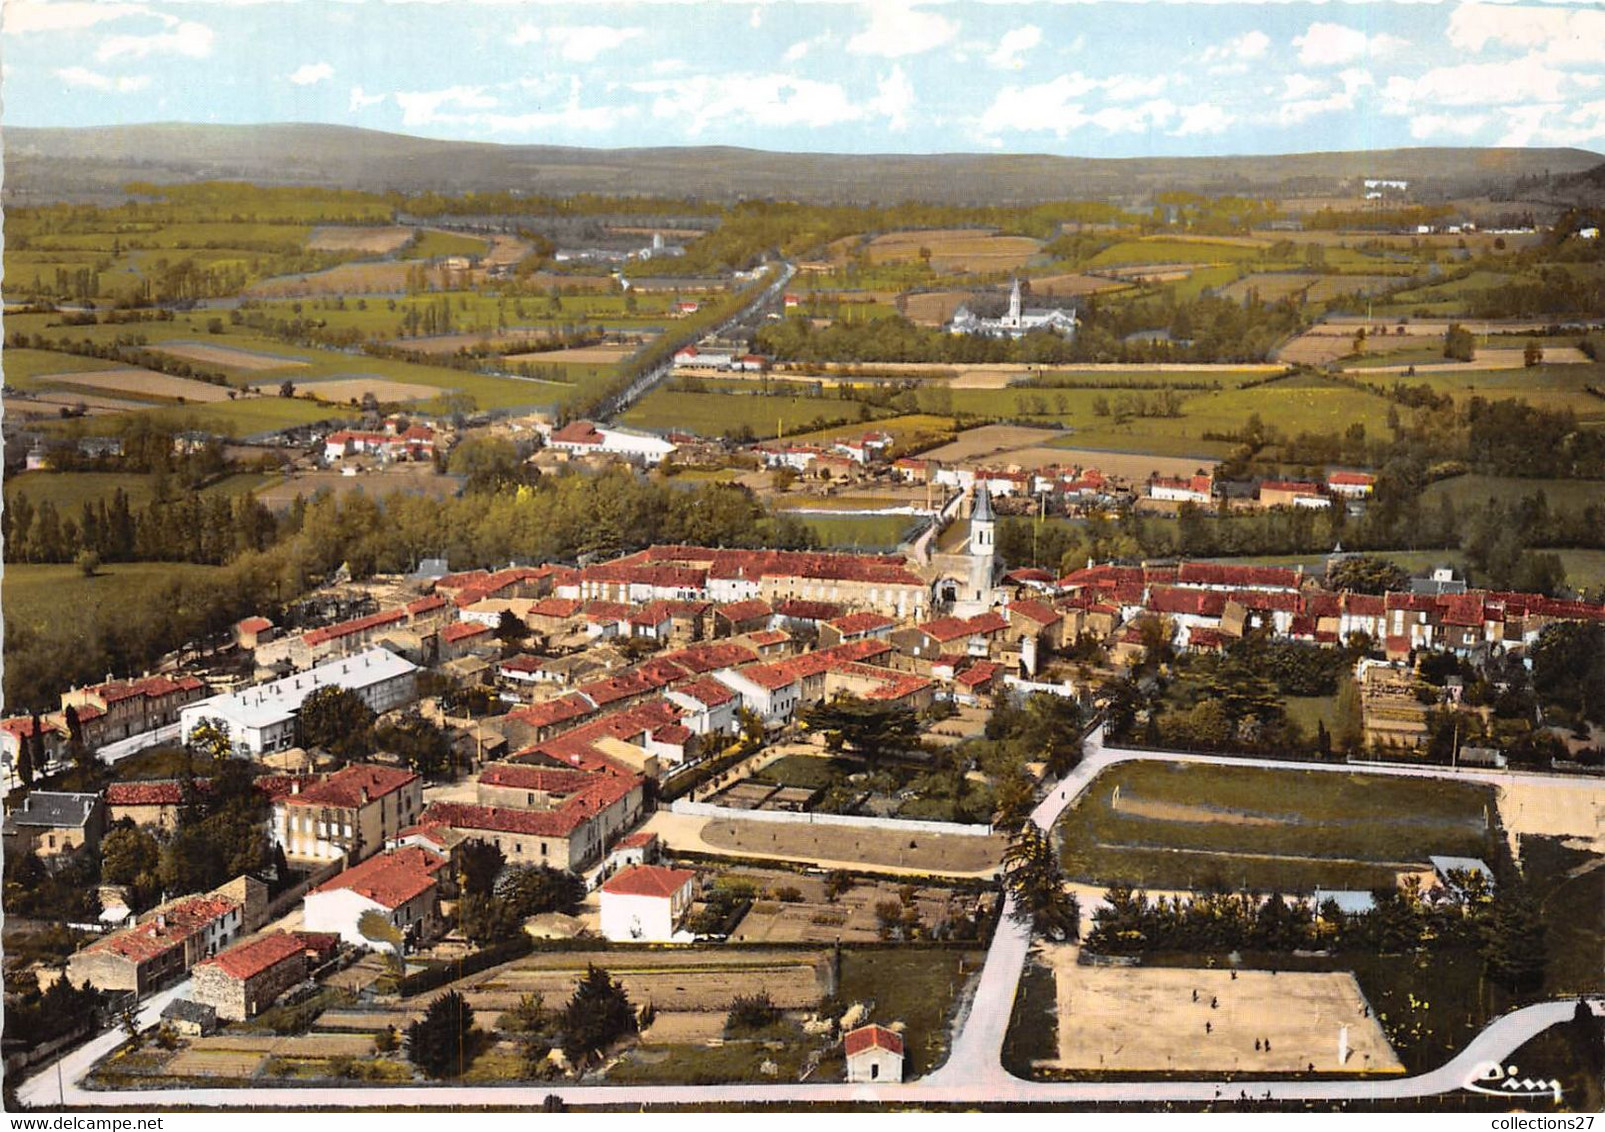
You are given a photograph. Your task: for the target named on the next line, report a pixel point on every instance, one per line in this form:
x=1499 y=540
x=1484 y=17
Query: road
x=644 y=384
x=973 y=1072
x=47 y=1087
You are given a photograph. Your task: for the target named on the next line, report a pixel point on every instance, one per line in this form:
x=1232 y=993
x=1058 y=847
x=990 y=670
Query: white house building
x=399 y=885
x=874 y=1054
x=646 y=904
x=261 y=719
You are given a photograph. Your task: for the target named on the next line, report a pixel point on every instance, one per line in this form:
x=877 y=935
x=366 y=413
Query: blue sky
x=1100 y=78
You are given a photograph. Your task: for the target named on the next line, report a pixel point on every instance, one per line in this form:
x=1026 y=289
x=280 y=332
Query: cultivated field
x=50 y=405
x=341 y=390
x=955 y=249
x=346 y=279
x=1148 y=1019
x=229 y=356
x=592 y=355
x=147 y=382
x=1270 y=286
x=374 y=241
x=933 y=308
x=1501 y=358
x=1072 y=284
x=990 y=441
x=851 y=918
x=1191 y=827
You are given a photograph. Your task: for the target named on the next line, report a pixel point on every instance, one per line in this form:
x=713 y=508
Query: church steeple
x=1014 y=303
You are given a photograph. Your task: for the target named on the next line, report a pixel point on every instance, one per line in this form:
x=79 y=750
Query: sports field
x=1143 y=1019
x=1194 y=826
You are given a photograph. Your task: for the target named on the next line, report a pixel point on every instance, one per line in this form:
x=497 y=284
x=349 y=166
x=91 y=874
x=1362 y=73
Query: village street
x=973 y=1072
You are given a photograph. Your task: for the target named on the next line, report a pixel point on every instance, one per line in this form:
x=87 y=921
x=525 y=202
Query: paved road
x=46 y=1087
x=973 y=1072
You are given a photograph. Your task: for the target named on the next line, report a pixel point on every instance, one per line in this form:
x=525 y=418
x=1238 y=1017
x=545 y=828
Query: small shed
x=874 y=1054
x=189 y=1018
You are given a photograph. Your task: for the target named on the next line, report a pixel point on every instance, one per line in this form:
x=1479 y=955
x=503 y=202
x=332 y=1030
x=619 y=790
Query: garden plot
x=215 y=1063
x=853 y=917
x=144 y=382
x=229 y=356
x=792 y=984
x=1124 y=1019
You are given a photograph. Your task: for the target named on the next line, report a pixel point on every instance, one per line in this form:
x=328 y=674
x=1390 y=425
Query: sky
x=1096 y=78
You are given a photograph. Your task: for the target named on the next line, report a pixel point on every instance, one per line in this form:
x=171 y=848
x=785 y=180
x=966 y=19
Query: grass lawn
x=1183 y=826
x=25 y=368
x=1307 y=711
x=696 y=1064
x=911 y=985
x=870 y=532
x=808 y=772
x=42 y=596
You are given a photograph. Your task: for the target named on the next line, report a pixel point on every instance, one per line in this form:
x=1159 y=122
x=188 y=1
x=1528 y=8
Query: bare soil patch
x=1136 y=1019
x=342 y=390
x=915 y=852
x=1133 y=466
x=1074 y=283
x=955 y=249
x=228 y=356
x=144 y=381
x=933 y=308
x=595 y=355
x=377 y=241
x=990 y=440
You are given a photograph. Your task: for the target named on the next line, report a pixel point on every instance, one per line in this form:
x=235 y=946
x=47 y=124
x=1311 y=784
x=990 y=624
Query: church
x=964 y=580
x=1017 y=322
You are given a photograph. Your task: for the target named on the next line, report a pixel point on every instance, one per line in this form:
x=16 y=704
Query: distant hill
x=91 y=163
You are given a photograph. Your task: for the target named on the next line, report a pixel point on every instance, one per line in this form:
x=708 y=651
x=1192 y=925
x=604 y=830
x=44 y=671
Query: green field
x=869 y=532
x=713 y=414
x=1550 y=387
x=912 y=985
x=30 y=369
x=59 y=600
x=68 y=491
x=1476 y=491
x=432 y=242
x=253 y=415
x=1196 y=826
x=1173 y=251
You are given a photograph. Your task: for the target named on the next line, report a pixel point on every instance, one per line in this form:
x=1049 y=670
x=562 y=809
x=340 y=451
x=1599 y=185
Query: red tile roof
x=1351 y=479
x=872 y=1037
x=648 y=880
x=550 y=780
x=864 y=621
x=347 y=787
x=389 y=879
x=167 y=929
x=766 y=637
x=251 y=958
x=711 y=656
x=549 y=712
x=254 y=625
x=798 y=610
x=577 y=432
x=425 y=604
x=462 y=631
x=1035 y=611
x=738 y=611
x=1231 y=574
x=356 y=625
x=707 y=691
x=561 y=608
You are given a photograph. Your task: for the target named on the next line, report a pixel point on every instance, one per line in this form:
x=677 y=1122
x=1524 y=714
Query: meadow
x=58 y=598
x=714 y=414
x=1176 y=825
x=69 y=491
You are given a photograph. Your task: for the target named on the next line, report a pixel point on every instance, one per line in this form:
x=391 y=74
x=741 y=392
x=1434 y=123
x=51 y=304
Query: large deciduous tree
x=866 y=727
x=336 y=720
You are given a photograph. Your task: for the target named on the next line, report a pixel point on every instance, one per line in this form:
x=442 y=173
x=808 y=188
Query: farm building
x=249 y=977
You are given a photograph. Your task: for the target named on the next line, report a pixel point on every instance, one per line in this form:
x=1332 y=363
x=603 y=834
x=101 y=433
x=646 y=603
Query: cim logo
x=1495 y=1080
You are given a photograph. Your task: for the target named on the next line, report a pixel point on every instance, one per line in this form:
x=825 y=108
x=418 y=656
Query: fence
x=905 y=825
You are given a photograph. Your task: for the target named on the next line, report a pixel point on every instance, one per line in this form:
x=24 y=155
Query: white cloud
x=1125 y=88
x=797 y=50
x=1231 y=57
x=1425 y=127
x=1475 y=84
x=584 y=44
x=424 y=107
x=83 y=77
x=756 y=19
x=361 y=100
x=23 y=16
x=1304 y=98
x=1151 y=115
x=182 y=37
x=1560 y=36
x=898 y=28
x=525 y=34
x=308 y=73
x=1328 y=45
x=774 y=100
x=1013 y=45
x=1202 y=118
x=893 y=99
